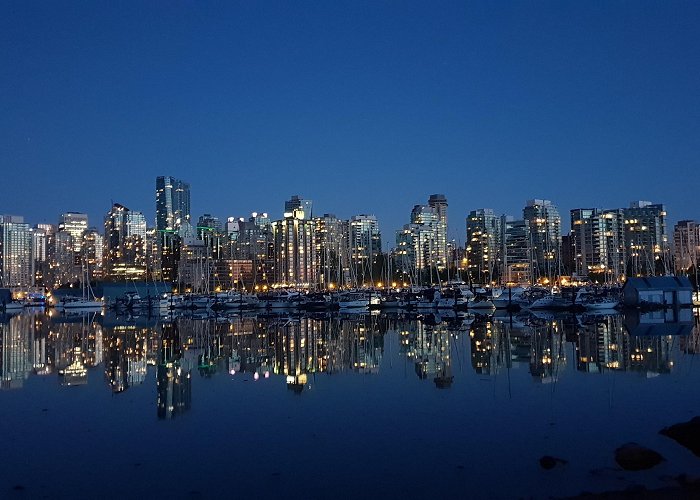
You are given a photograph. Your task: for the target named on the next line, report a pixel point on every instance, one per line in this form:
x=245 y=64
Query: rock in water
x=632 y=456
x=686 y=434
x=547 y=462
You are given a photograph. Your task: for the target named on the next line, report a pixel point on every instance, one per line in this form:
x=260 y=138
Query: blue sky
x=364 y=107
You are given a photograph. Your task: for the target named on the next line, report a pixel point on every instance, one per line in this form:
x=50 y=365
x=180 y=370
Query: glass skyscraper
x=172 y=203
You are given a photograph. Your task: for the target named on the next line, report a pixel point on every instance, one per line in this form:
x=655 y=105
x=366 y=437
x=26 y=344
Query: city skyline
x=361 y=107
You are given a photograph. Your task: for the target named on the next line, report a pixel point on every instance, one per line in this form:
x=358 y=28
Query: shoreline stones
x=687 y=434
x=633 y=457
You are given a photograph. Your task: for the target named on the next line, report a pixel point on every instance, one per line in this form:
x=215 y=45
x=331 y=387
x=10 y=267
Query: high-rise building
x=420 y=244
x=597 y=242
x=646 y=239
x=332 y=250
x=483 y=245
x=93 y=252
x=172 y=215
x=16 y=259
x=75 y=224
x=125 y=243
x=41 y=235
x=686 y=244
x=365 y=246
x=439 y=203
x=294 y=250
x=297 y=203
x=172 y=203
x=516 y=251
x=545 y=233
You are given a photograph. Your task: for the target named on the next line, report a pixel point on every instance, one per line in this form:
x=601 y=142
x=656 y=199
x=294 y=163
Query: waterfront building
x=332 y=250
x=516 y=251
x=686 y=245
x=483 y=245
x=646 y=239
x=297 y=203
x=294 y=250
x=422 y=244
x=16 y=259
x=365 y=246
x=545 y=235
x=251 y=240
x=125 y=243
x=597 y=242
x=40 y=253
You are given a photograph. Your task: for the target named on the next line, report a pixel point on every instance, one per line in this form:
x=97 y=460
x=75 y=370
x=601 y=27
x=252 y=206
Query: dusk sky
x=363 y=107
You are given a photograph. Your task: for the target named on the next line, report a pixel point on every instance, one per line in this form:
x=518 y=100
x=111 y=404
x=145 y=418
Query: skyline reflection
x=294 y=348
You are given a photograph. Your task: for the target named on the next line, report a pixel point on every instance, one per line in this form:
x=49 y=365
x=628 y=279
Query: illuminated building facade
x=438 y=203
x=646 y=239
x=483 y=245
x=516 y=251
x=686 y=244
x=299 y=204
x=332 y=250
x=597 y=242
x=545 y=235
x=172 y=203
x=294 y=250
x=365 y=245
x=125 y=243
x=75 y=224
x=16 y=258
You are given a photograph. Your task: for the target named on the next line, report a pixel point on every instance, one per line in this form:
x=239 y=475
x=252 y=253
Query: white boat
x=353 y=300
x=237 y=300
x=278 y=300
x=169 y=301
x=87 y=302
x=76 y=303
x=591 y=302
x=508 y=297
x=480 y=302
x=601 y=304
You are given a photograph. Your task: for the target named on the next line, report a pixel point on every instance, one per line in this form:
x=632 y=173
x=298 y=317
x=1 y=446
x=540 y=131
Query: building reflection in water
x=428 y=344
x=293 y=350
x=173 y=375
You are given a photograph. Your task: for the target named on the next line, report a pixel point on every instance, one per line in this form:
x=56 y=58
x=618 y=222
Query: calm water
x=350 y=405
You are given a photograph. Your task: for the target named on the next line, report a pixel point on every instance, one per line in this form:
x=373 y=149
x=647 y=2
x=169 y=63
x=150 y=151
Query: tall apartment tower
x=439 y=203
x=646 y=240
x=294 y=250
x=483 y=245
x=545 y=234
x=597 y=242
x=686 y=244
x=365 y=244
x=125 y=242
x=75 y=224
x=16 y=259
x=172 y=203
x=303 y=208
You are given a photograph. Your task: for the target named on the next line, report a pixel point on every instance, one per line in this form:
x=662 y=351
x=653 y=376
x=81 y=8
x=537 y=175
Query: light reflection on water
x=455 y=404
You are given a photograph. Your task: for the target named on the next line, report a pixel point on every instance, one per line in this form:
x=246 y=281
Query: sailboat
x=87 y=302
